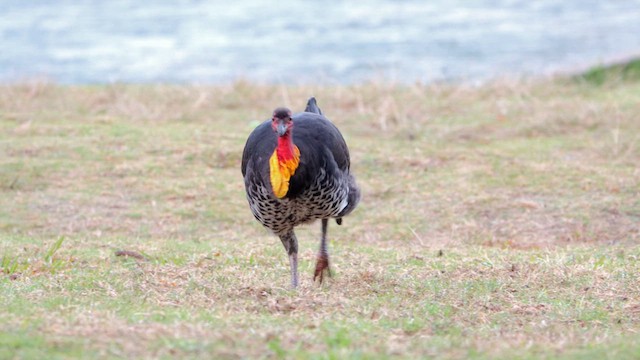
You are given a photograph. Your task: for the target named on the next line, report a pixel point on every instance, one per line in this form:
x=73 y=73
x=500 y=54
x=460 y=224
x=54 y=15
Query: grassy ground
x=498 y=221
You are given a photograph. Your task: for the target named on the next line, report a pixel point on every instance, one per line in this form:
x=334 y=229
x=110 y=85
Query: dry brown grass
x=496 y=221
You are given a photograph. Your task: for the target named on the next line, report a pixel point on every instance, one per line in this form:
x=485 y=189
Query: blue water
x=309 y=41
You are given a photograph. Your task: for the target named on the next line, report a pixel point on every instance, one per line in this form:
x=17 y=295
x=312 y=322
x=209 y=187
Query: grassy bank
x=496 y=221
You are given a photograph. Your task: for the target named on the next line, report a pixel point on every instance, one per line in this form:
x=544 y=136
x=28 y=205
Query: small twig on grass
x=12 y=186
x=417 y=236
x=132 y=254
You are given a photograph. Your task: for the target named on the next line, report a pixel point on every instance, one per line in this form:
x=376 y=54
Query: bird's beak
x=281 y=128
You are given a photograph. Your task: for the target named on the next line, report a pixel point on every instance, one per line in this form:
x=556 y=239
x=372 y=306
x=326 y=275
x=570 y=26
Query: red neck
x=285 y=147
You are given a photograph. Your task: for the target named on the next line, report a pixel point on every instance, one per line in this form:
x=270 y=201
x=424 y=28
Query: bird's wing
x=317 y=131
x=322 y=148
x=259 y=144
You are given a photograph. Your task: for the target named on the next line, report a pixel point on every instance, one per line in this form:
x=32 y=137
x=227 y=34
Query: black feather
x=312 y=106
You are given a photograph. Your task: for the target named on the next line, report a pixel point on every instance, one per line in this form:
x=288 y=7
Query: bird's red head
x=281 y=121
x=286 y=156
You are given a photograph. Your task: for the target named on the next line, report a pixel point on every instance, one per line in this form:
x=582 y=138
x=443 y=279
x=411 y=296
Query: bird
x=296 y=170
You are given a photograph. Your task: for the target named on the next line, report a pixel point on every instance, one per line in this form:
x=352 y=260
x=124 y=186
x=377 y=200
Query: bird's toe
x=322 y=266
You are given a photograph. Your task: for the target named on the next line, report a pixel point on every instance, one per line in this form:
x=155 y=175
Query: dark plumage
x=321 y=186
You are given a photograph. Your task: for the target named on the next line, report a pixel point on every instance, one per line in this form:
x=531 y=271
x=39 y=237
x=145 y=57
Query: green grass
x=498 y=221
x=604 y=74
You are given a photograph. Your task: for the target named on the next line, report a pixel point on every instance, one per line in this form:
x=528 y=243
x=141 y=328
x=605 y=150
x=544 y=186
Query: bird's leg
x=290 y=243
x=322 y=263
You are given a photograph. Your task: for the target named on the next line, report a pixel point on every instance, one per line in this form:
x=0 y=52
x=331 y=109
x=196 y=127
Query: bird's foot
x=322 y=266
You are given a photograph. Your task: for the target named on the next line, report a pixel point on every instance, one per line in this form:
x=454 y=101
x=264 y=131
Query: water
x=309 y=41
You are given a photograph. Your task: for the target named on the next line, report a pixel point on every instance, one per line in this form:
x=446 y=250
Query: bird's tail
x=352 y=200
x=312 y=106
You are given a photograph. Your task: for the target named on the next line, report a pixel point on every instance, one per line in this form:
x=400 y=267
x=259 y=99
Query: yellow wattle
x=282 y=170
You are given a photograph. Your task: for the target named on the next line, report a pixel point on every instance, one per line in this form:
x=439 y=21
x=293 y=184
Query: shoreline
x=568 y=72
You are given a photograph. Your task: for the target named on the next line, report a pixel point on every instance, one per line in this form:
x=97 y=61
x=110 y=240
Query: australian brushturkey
x=296 y=170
